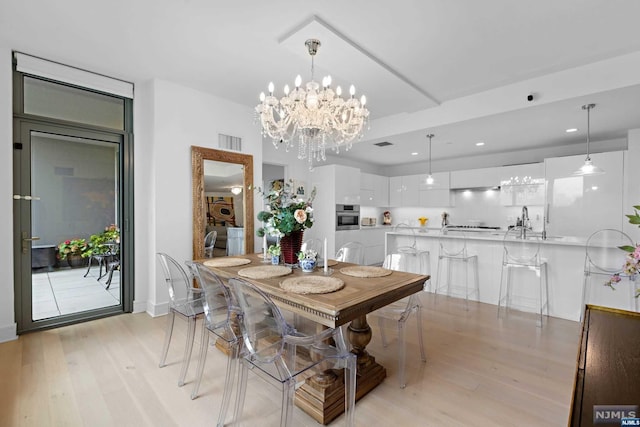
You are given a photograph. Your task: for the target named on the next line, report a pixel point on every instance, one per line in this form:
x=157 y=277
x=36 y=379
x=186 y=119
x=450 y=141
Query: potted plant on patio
x=72 y=250
x=98 y=242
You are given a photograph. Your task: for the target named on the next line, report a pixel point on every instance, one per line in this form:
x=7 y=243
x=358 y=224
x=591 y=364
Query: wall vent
x=229 y=142
x=383 y=144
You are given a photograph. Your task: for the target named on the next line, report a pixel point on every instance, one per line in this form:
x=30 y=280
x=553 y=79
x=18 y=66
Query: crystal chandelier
x=315 y=115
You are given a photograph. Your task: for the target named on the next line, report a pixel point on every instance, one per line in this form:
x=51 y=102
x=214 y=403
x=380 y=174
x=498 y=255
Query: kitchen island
x=565 y=256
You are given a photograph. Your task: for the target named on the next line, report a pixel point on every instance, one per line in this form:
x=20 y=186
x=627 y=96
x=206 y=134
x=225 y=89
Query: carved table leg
x=370 y=373
x=322 y=396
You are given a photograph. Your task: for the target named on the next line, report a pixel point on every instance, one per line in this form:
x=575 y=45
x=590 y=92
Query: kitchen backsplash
x=470 y=207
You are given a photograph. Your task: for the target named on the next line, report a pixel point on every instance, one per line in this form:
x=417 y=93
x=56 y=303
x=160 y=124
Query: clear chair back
x=177 y=280
x=209 y=243
x=411 y=234
x=602 y=253
x=217 y=300
x=521 y=246
x=452 y=247
x=262 y=324
x=352 y=252
x=407 y=262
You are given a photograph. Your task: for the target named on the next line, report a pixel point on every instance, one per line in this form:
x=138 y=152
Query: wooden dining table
x=322 y=397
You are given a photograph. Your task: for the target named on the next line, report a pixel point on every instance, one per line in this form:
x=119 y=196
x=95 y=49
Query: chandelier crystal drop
x=313 y=114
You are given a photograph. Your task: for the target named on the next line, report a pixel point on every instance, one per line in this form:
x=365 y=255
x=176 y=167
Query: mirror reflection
x=222 y=185
x=224 y=208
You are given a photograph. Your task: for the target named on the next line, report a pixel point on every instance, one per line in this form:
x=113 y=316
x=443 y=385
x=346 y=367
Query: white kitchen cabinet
x=441 y=181
x=395 y=191
x=435 y=195
x=347 y=185
x=410 y=185
x=522 y=185
x=581 y=205
x=374 y=190
x=373 y=240
x=475 y=178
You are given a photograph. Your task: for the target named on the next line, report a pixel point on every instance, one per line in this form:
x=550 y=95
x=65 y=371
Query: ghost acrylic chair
x=185 y=301
x=400 y=311
x=219 y=309
x=277 y=353
x=352 y=252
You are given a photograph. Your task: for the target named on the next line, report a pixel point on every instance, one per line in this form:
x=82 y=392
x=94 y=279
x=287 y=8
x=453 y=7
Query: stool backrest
x=521 y=246
x=452 y=247
x=602 y=253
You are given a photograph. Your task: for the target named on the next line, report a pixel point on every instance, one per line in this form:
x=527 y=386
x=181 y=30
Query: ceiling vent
x=383 y=144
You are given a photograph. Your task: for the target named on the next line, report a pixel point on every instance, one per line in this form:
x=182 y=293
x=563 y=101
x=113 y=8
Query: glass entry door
x=68 y=232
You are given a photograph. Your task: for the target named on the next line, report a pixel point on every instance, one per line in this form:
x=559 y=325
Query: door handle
x=26 y=240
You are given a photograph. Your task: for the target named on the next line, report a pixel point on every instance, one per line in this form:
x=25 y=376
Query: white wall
x=7 y=320
x=184 y=117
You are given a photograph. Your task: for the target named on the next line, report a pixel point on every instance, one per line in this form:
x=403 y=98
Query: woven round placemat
x=312 y=284
x=365 y=271
x=264 y=271
x=226 y=262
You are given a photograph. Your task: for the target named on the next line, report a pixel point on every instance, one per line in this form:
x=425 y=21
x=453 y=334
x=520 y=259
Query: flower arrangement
x=286 y=212
x=72 y=247
x=631 y=265
x=423 y=220
x=307 y=254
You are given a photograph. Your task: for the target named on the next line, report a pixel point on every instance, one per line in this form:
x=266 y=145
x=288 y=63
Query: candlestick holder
x=327 y=272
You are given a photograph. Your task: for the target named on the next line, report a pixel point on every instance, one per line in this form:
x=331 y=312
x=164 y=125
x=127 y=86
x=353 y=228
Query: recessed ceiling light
x=571 y=130
x=414 y=153
x=479 y=144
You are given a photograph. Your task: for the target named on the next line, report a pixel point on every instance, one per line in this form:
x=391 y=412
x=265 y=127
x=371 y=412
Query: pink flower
x=300 y=215
x=636 y=253
x=67 y=242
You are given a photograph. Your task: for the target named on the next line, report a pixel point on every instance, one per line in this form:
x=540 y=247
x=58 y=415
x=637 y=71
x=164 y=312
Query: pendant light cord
x=430 y=136
x=588 y=107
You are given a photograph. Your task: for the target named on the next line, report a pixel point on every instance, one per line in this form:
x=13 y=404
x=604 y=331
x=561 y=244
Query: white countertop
x=496 y=236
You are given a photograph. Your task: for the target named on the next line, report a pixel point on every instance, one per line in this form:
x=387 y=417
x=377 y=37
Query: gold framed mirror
x=198 y=157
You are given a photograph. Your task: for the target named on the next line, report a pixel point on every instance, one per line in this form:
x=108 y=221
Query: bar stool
x=412 y=249
x=603 y=258
x=522 y=250
x=453 y=248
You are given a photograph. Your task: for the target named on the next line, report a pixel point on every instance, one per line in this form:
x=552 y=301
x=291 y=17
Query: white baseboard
x=8 y=333
x=156 y=310
x=139 y=306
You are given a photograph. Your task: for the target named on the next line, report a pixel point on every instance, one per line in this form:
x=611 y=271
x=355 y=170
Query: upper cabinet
x=522 y=184
x=347 y=185
x=374 y=190
x=413 y=191
x=581 y=205
x=475 y=178
x=437 y=194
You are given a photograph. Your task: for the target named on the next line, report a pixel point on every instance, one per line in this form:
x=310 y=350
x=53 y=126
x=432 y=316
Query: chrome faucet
x=525 y=222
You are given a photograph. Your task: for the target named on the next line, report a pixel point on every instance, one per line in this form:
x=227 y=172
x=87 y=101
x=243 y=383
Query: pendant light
x=588 y=168
x=430 y=179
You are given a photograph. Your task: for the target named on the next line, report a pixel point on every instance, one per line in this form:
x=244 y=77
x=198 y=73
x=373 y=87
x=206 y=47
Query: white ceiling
x=406 y=56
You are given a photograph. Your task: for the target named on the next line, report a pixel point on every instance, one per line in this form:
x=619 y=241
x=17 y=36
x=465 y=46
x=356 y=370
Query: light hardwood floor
x=480 y=371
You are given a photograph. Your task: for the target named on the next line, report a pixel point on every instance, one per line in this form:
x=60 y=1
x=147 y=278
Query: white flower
x=300 y=216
